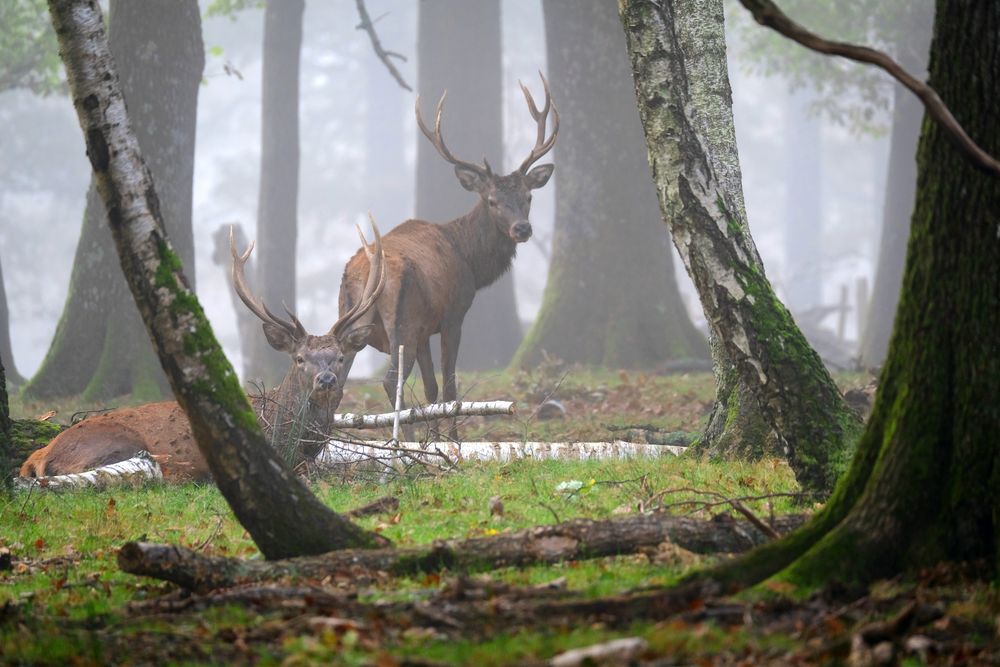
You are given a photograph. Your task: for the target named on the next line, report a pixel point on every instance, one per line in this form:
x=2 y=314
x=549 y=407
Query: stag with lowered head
x=297 y=415
x=434 y=270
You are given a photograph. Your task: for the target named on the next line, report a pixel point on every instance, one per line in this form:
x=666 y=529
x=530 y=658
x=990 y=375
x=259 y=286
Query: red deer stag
x=298 y=412
x=434 y=270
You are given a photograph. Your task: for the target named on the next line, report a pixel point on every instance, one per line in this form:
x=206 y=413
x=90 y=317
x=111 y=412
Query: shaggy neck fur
x=483 y=244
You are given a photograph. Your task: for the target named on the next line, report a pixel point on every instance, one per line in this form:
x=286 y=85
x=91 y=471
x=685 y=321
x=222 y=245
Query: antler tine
x=542 y=145
x=374 y=285
x=243 y=291
x=437 y=139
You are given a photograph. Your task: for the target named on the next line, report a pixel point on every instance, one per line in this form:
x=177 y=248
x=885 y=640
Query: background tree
x=6 y=447
x=866 y=101
x=611 y=297
x=273 y=504
x=6 y=353
x=99 y=347
x=768 y=353
x=277 y=211
x=458 y=50
x=924 y=485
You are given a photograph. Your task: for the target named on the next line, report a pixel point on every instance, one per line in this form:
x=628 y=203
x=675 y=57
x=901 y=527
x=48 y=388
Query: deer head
x=319 y=364
x=506 y=199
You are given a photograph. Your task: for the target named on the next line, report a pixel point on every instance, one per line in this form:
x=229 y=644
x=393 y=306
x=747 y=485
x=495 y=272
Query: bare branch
x=369 y=26
x=766 y=13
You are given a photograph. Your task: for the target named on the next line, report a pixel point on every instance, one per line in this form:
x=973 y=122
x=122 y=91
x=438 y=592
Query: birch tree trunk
x=795 y=393
x=275 y=507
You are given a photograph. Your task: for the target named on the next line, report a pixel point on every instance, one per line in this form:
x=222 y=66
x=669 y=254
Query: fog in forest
x=814 y=188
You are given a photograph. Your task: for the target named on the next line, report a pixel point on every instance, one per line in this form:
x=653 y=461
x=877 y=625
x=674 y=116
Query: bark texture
x=611 y=297
x=795 y=392
x=99 y=347
x=458 y=50
x=277 y=208
x=275 y=507
x=573 y=540
x=6 y=446
x=736 y=428
x=901 y=184
x=924 y=485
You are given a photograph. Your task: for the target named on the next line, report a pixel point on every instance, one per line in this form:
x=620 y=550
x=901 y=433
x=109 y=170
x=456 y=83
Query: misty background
x=358 y=153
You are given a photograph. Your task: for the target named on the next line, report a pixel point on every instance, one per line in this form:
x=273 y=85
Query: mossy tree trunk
x=270 y=501
x=796 y=394
x=924 y=485
x=6 y=447
x=458 y=50
x=736 y=428
x=277 y=208
x=6 y=351
x=897 y=209
x=611 y=297
x=99 y=348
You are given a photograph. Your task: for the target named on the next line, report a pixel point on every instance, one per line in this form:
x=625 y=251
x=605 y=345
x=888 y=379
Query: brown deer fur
x=434 y=270
x=301 y=407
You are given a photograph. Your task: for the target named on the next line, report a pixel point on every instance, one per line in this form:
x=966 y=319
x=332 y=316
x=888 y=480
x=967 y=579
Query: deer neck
x=482 y=244
x=290 y=410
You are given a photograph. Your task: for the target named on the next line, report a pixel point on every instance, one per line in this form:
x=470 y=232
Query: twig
x=544 y=504
x=215 y=533
x=766 y=13
x=368 y=26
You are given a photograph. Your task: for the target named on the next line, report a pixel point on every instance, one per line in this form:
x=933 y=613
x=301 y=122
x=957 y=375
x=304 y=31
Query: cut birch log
x=571 y=540
x=425 y=413
x=136 y=470
x=340 y=451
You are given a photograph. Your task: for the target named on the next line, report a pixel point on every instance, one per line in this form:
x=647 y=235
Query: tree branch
x=368 y=26
x=766 y=13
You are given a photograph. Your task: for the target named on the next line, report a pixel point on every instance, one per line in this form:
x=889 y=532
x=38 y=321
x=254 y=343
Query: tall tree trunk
x=271 y=502
x=99 y=347
x=7 y=462
x=6 y=351
x=925 y=483
x=277 y=209
x=458 y=50
x=792 y=387
x=611 y=297
x=907 y=116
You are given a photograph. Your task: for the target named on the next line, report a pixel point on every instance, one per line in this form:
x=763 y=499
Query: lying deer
x=300 y=410
x=434 y=270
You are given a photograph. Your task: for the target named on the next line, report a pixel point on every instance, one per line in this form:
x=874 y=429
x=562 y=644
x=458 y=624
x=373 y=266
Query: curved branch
x=368 y=26
x=766 y=13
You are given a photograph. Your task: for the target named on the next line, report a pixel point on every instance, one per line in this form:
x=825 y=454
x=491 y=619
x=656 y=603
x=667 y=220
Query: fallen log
x=337 y=452
x=425 y=413
x=572 y=540
x=139 y=469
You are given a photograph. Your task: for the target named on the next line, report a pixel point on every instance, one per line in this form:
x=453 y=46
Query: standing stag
x=298 y=414
x=434 y=270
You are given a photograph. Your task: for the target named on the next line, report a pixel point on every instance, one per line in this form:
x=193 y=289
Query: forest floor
x=63 y=599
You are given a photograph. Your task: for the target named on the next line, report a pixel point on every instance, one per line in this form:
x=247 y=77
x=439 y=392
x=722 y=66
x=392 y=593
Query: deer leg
x=451 y=336
x=426 y=363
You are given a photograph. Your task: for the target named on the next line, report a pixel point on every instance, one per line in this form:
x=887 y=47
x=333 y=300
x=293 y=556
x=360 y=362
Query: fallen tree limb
x=340 y=451
x=571 y=540
x=425 y=413
x=136 y=470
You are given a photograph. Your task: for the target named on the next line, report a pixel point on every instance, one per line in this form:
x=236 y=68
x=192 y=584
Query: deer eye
x=340 y=358
x=300 y=359
x=492 y=201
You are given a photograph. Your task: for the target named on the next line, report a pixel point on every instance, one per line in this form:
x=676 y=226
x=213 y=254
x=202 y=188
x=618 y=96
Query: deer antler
x=374 y=284
x=438 y=140
x=542 y=146
x=256 y=306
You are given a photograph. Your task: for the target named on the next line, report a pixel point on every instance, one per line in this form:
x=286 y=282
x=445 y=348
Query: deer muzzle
x=521 y=231
x=325 y=381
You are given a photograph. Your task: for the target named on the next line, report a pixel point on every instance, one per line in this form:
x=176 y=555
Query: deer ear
x=279 y=338
x=471 y=180
x=539 y=176
x=356 y=340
